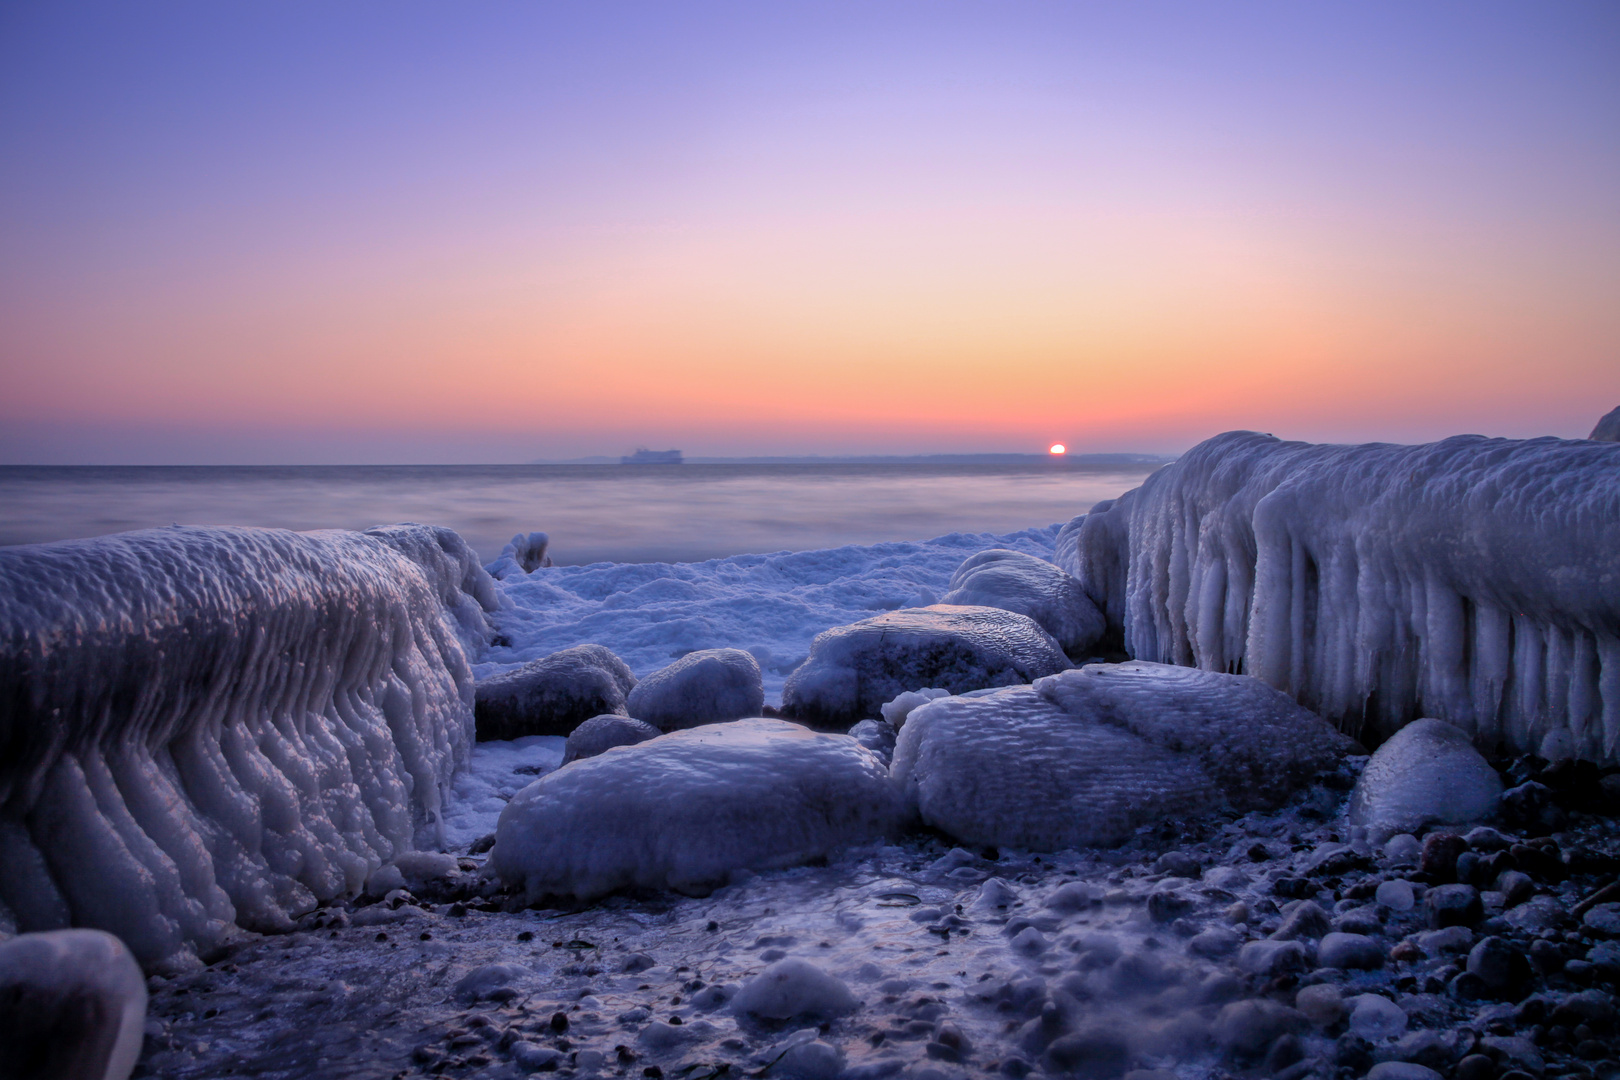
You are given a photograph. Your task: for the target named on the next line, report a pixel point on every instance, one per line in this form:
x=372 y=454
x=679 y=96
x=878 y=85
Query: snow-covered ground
x=771 y=605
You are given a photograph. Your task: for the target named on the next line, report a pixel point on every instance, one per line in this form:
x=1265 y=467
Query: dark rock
x=1503 y=969
x=1168 y=905
x=1453 y=905
x=1095 y=1053
x=1547 y=957
x=552 y=695
x=709 y=686
x=1306 y=920
x=1515 y=887
x=1271 y=958
x=1340 y=950
x=1178 y=864
x=1245 y=1029
x=1468 y=868
x=1299 y=888
x=71 y=1003
x=1439 y=857
x=1530 y=808
x=1286 y=1050
x=1476 y=1067
x=1353 y=1052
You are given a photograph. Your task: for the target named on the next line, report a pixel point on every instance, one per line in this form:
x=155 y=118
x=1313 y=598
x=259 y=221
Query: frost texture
x=709 y=686
x=685 y=810
x=72 y=1006
x=213 y=726
x=554 y=694
x=1472 y=580
x=1014 y=581
x=854 y=670
x=1427 y=772
x=1088 y=756
x=601 y=733
x=794 y=987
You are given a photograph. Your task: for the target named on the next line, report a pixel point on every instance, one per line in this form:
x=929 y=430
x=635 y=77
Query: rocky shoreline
x=1279 y=944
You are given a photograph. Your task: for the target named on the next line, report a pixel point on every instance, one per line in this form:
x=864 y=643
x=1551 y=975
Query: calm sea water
x=594 y=513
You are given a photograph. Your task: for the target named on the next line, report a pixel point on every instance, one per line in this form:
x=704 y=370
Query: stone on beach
x=552 y=695
x=1014 y=581
x=709 y=686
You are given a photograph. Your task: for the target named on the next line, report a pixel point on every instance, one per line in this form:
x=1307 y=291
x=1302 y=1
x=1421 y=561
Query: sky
x=486 y=232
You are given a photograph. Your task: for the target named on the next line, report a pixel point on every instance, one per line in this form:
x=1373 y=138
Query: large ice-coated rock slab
x=1013 y=581
x=685 y=810
x=1428 y=772
x=854 y=670
x=1607 y=429
x=72 y=1006
x=1472 y=580
x=709 y=686
x=214 y=727
x=554 y=694
x=1087 y=756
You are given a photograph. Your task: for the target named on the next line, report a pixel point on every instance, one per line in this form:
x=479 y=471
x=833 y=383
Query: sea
x=593 y=513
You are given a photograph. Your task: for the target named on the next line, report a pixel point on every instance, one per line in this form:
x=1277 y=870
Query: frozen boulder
x=794 y=987
x=211 y=728
x=685 y=810
x=72 y=1006
x=524 y=555
x=1428 y=773
x=1014 y=581
x=1088 y=756
x=552 y=695
x=601 y=733
x=895 y=712
x=853 y=670
x=1608 y=428
x=709 y=686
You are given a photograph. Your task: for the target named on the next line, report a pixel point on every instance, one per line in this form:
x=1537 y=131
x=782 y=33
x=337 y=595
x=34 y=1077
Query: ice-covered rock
x=72 y=1006
x=1473 y=580
x=895 y=712
x=217 y=726
x=1087 y=756
x=709 y=686
x=1607 y=428
x=1428 y=772
x=554 y=694
x=1014 y=581
x=525 y=554
x=853 y=670
x=685 y=810
x=601 y=733
x=794 y=987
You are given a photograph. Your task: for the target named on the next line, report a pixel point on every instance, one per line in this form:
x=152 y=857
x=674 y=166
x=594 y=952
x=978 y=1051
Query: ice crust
x=1472 y=580
x=709 y=686
x=72 y=1006
x=854 y=670
x=1087 y=756
x=686 y=810
x=1427 y=772
x=207 y=728
x=1014 y=581
x=601 y=733
x=1607 y=428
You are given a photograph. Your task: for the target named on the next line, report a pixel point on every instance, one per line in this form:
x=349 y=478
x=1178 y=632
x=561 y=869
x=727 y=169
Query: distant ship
x=644 y=456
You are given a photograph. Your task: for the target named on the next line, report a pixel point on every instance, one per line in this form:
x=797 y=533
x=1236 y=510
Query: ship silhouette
x=644 y=456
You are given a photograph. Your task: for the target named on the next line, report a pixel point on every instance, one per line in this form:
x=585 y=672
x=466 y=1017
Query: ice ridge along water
x=211 y=728
x=1472 y=580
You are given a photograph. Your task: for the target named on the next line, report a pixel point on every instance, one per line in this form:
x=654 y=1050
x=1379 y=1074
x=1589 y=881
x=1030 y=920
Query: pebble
x=1435 y=943
x=1178 y=864
x=1396 y=895
x=1247 y=1027
x=1305 y=919
x=1374 y=1017
x=1402 y=1070
x=1321 y=1004
x=1499 y=965
x=1340 y=950
x=1271 y=957
x=1603 y=919
x=1402 y=849
x=1440 y=853
x=1454 y=905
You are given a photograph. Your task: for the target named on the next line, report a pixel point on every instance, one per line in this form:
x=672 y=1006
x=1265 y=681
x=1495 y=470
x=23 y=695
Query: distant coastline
x=868 y=459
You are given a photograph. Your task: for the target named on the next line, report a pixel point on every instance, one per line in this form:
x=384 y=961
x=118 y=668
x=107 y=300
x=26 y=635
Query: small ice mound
x=1014 y=581
x=896 y=711
x=1088 y=756
x=853 y=670
x=604 y=732
x=793 y=987
x=413 y=870
x=1427 y=773
x=877 y=736
x=490 y=982
x=72 y=1005
x=525 y=554
x=552 y=695
x=709 y=686
x=686 y=810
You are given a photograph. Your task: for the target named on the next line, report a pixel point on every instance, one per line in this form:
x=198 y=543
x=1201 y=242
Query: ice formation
x=1607 y=429
x=1427 y=772
x=687 y=809
x=1472 y=580
x=1087 y=756
x=554 y=694
x=217 y=726
x=72 y=1006
x=895 y=712
x=601 y=733
x=1014 y=581
x=794 y=987
x=709 y=686
x=854 y=670
x=524 y=554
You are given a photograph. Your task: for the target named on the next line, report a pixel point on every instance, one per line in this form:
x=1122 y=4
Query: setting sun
x=1058 y=448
